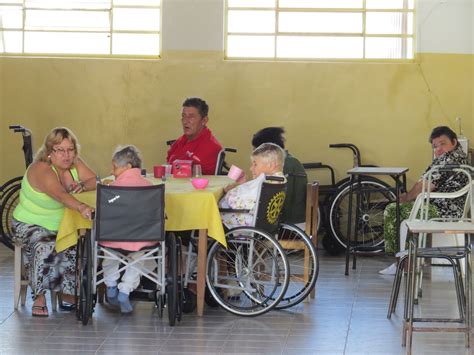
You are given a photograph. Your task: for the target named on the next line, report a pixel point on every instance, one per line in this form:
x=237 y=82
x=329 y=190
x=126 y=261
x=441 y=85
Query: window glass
x=252 y=3
x=250 y=47
x=320 y=47
x=322 y=4
x=131 y=43
x=82 y=27
x=315 y=29
x=322 y=22
x=251 y=21
x=67 y=43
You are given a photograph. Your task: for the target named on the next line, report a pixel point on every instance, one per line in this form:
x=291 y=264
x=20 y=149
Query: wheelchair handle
x=302 y=175
x=231 y=150
x=322 y=166
x=353 y=147
x=170 y=142
x=313 y=165
x=449 y=167
x=27 y=144
x=274 y=178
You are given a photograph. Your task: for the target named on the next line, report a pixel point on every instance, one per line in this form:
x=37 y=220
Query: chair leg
x=396 y=288
x=17 y=276
x=459 y=287
x=54 y=300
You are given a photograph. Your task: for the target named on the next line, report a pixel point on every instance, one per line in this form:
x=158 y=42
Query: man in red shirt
x=197 y=143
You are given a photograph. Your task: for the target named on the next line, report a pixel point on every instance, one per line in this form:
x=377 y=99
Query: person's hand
x=230 y=186
x=403 y=197
x=85 y=211
x=76 y=187
x=242 y=178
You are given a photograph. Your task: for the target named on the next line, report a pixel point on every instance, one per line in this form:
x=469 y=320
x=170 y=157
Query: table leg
x=349 y=220
x=356 y=219
x=397 y=208
x=201 y=271
x=468 y=291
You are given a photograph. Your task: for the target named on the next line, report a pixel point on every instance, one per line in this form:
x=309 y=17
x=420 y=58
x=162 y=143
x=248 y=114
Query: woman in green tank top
x=56 y=172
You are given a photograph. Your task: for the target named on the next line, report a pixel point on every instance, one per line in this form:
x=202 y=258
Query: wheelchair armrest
x=233 y=210
x=274 y=178
x=303 y=175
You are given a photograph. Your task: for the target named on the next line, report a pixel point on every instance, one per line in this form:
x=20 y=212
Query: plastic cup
x=234 y=173
x=168 y=169
x=159 y=171
x=197 y=172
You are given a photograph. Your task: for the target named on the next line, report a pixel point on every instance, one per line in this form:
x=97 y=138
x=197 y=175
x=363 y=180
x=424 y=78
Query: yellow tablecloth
x=186 y=208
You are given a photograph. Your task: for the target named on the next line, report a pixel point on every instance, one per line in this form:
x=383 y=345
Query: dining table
x=186 y=208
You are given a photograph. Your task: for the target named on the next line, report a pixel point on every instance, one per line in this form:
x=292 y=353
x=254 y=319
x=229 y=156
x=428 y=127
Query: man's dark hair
x=269 y=135
x=197 y=103
x=443 y=131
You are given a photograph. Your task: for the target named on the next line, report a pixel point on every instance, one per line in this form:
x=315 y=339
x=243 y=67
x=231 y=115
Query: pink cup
x=159 y=171
x=234 y=173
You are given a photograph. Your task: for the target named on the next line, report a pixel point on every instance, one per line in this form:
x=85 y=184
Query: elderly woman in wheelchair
x=251 y=275
x=128 y=236
x=126 y=167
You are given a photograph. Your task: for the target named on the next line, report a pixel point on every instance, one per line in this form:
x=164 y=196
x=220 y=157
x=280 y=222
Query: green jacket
x=294 y=209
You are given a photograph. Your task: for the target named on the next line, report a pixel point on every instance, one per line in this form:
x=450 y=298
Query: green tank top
x=39 y=208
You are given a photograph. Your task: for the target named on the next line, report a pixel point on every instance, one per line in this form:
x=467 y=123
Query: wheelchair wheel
x=180 y=293
x=159 y=302
x=303 y=261
x=251 y=275
x=370 y=212
x=10 y=199
x=85 y=275
x=172 y=279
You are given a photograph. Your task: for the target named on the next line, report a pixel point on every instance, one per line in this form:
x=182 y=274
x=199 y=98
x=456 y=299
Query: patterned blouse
x=449 y=182
x=244 y=197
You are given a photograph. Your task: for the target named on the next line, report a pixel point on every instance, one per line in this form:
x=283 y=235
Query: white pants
x=131 y=277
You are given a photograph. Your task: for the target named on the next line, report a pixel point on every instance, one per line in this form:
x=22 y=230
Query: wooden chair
x=21 y=281
x=312 y=207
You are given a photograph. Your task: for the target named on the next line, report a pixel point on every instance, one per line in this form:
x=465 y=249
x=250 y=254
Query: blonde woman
x=48 y=186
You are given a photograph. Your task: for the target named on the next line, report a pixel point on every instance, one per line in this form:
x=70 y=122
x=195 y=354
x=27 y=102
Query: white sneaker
x=391 y=270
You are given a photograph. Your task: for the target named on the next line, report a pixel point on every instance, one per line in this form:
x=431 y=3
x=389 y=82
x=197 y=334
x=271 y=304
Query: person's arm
x=46 y=181
x=244 y=196
x=414 y=192
x=86 y=177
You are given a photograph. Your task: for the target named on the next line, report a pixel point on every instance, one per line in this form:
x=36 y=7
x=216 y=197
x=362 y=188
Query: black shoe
x=189 y=301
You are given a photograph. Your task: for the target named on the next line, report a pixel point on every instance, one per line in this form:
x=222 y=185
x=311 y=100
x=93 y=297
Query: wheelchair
x=334 y=204
x=251 y=275
x=293 y=242
x=129 y=214
x=10 y=190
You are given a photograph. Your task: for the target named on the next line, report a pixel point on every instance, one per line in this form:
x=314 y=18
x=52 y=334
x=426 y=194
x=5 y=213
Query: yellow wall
x=388 y=110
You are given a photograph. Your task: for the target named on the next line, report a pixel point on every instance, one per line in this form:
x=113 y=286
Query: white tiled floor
x=347 y=317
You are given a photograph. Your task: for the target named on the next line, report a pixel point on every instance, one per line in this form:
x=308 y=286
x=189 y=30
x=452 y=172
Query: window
x=80 y=27
x=320 y=29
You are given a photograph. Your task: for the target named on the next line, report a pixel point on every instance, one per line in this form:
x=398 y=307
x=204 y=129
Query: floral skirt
x=389 y=223
x=47 y=270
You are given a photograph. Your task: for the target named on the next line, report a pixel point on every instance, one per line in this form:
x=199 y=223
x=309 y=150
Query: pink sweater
x=130 y=177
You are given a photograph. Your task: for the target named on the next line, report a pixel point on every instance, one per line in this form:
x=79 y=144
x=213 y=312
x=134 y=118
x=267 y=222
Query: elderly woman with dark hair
x=446 y=150
x=294 y=209
x=46 y=189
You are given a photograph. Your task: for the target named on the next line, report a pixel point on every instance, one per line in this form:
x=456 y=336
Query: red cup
x=159 y=171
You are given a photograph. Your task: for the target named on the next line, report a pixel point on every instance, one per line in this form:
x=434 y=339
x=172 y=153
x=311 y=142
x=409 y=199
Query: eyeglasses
x=61 y=151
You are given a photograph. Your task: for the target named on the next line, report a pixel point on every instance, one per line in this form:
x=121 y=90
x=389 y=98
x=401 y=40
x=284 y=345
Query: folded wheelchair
x=130 y=214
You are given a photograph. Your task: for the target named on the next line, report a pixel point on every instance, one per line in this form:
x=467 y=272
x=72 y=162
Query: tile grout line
x=354 y=297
